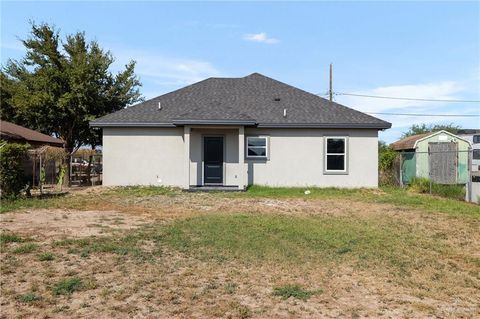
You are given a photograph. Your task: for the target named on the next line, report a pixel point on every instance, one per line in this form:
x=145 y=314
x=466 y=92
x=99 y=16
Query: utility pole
x=330 y=91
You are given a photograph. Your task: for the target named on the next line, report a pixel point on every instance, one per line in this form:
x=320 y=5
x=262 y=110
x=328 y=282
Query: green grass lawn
x=297 y=240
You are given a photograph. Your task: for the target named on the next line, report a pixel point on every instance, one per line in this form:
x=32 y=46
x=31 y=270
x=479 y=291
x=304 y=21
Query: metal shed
x=441 y=156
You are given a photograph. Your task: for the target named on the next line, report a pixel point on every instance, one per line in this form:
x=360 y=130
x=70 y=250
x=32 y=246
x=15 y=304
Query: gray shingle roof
x=251 y=100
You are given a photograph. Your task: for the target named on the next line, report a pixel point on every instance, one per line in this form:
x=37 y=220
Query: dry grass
x=144 y=254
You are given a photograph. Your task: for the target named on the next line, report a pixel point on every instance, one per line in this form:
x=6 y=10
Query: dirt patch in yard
x=55 y=223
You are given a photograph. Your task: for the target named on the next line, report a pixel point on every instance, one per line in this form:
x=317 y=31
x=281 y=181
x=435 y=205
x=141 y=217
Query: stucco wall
x=297 y=158
x=143 y=156
x=155 y=156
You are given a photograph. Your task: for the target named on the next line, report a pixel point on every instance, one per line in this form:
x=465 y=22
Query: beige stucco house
x=234 y=132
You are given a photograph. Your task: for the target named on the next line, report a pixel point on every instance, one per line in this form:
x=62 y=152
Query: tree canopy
x=61 y=85
x=424 y=128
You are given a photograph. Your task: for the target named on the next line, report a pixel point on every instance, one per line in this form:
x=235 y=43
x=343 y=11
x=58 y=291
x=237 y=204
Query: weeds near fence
x=425 y=186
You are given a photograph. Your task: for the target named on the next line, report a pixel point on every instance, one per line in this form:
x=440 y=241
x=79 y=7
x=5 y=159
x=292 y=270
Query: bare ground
x=180 y=286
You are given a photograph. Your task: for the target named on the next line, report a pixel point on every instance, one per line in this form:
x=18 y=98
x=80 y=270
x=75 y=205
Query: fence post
x=429 y=171
x=40 y=182
x=469 y=170
x=400 y=169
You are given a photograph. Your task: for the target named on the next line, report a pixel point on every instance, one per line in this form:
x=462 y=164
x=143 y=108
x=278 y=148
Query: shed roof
x=251 y=100
x=10 y=131
x=408 y=143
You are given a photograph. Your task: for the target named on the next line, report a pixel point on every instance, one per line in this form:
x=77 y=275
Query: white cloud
x=444 y=90
x=260 y=37
x=165 y=70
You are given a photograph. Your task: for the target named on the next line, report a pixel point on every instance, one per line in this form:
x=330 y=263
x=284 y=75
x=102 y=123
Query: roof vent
x=284 y=112
x=159 y=106
x=276 y=99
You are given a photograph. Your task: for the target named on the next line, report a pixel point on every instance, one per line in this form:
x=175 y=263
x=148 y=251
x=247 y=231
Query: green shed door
x=409 y=167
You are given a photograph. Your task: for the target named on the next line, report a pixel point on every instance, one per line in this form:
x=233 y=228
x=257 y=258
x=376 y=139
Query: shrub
x=12 y=157
x=386 y=164
x=386 y=157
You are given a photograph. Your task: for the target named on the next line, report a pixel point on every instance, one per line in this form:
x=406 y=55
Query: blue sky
x=413 y=49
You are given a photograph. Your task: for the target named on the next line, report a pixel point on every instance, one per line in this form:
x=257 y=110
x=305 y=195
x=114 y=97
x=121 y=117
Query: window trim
x=327 y=171
x=267 y=153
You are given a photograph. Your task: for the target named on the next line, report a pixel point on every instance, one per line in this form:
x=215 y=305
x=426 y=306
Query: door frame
x=223 y=160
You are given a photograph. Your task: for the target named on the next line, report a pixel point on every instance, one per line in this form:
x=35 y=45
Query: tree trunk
x=68 y=158
x=89 y=169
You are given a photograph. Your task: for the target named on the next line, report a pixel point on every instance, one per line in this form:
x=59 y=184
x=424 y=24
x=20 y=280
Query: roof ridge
x=254 y=95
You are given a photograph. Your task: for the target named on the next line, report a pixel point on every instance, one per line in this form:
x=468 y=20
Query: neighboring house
x=473 y=136
x=240 y=131
x=14 y=133
x=440 y=156
x=39 y=142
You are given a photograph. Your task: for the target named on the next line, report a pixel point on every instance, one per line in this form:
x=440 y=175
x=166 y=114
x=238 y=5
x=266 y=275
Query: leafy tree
x=424 y=128
x=59 y=86
x=386 y=156
x=12 y=156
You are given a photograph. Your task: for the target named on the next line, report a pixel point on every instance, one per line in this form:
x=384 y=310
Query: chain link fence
x=440 y=165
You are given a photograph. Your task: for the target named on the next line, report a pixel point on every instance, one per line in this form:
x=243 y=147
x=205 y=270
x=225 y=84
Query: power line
x=406 y=98
x=408 y=114
x=417 y=114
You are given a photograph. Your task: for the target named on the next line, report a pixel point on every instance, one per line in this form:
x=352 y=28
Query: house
x=233 y=132
x=440 y=156
x=473 y=136
x=14 y=133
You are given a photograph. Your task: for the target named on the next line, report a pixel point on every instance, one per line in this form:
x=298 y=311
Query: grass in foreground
x=67 y=286
x=25 y=248
x=8 y=237
x=275 y=239
x=28 y=298
x=295 y=291
x=297 y=240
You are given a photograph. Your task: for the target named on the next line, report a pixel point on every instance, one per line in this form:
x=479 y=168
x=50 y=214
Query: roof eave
x=379 y=126
x=129 y=124
x=214 y=122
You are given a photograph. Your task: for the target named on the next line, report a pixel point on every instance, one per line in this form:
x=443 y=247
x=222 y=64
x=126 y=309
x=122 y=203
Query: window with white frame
x=257 y=147
x=335 y=154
